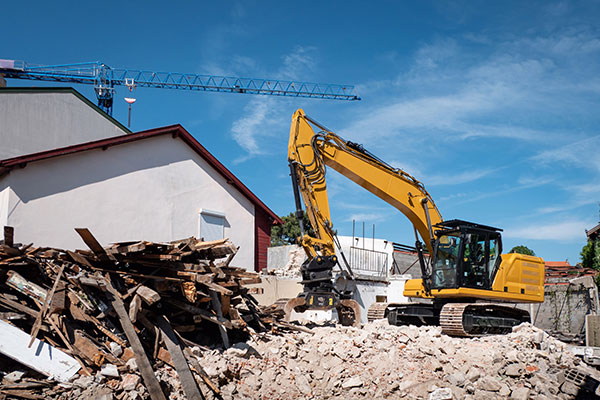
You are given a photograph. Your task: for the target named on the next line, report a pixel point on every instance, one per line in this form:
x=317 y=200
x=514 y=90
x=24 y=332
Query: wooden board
x=93 y=244
x=9 y=233
x=41 y=357
x=144 y=366
x=190 y=388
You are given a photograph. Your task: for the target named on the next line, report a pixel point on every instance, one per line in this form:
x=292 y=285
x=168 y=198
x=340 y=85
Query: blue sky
x=493 y=105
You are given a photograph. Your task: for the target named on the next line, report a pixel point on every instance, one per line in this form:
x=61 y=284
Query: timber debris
x=126 y=320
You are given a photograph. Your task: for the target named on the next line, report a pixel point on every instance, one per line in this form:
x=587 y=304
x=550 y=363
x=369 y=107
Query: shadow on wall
x=58 y=175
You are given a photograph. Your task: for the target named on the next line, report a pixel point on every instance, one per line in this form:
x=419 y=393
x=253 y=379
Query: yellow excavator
x=467 y=285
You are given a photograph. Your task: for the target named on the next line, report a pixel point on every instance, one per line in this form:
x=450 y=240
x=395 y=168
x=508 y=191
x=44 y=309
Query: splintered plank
x=144 y=366
x=47 y=301
x=200 y=245
x=9 y=251
x=190 y=388
x=79 y=315
x=239 y=272
x=17 y=306
x=200 y=313
x=41 y=357
x=195 y=366
x=78 y=258
x=93 y=244
x=216 y=304
x=217 y=288
x=148 y=295
x=126 y=248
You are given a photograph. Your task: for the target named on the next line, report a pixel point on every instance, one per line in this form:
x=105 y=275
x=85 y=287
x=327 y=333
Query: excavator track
x=451 y=319
x=479 y=319
x=377 y=311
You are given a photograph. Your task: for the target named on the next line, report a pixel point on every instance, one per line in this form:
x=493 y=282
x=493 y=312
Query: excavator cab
x=465 y=255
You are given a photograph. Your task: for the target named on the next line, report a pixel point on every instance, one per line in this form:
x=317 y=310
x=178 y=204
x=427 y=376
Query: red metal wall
x=262 y=239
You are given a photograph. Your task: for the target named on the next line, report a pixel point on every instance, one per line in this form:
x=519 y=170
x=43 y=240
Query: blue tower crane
x=105 y=78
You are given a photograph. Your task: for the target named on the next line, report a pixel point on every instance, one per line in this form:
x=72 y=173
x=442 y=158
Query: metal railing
x=368 y=262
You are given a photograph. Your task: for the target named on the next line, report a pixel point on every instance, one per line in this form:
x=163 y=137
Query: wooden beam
x=195 y=366
x=216 y=304
x=9 y=234
x=143 y=363
x=148 y=295
x=47 y=301
x=190 y=388
x=18 y=306
x=93 y=244
x=201 y=313
x=79 y=259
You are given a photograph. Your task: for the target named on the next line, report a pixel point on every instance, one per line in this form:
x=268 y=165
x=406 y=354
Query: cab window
x=446 y=262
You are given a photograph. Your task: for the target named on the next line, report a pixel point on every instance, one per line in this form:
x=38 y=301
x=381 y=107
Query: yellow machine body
x=520 y=279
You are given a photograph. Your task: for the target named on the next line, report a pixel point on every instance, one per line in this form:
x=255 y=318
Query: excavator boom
x=309 y=154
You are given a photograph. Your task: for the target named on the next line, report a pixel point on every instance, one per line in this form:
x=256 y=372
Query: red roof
x=550 y=264
x=177 y=131
x=563 y=270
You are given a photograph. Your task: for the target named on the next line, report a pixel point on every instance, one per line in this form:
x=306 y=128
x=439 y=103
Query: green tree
x=289 y=232
x=589 y=256
x=522 y=250
x=590 y=253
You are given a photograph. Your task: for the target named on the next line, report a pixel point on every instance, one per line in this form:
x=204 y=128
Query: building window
x=212 y=225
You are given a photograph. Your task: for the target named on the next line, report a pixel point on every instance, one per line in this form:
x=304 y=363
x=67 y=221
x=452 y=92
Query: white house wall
x=31 y=122
x=151 y=189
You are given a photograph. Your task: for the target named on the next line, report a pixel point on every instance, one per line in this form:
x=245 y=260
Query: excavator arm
x=310 y=152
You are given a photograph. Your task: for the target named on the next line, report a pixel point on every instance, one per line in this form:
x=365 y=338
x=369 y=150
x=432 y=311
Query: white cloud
x=459 y=178
x=246 y=129
x=578 y=196
x=565 y=231
x=264 y=116
x=452 y=196
x=452 y=92
x=366 y=217
x=298 y=63
x=524 y=185
x=432 y=55
x=582 y=153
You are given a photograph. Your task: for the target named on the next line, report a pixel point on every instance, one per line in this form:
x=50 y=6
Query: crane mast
x=105 y=79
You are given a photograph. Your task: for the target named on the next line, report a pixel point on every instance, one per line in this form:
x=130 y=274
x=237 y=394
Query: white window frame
x=212 y=213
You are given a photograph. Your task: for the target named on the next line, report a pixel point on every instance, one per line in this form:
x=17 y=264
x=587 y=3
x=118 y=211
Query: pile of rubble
x=120 y=319
x=291 y=269
x=383 y=361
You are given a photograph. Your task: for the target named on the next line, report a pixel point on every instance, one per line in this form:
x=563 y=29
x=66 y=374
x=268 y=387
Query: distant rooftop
x=592 y=233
